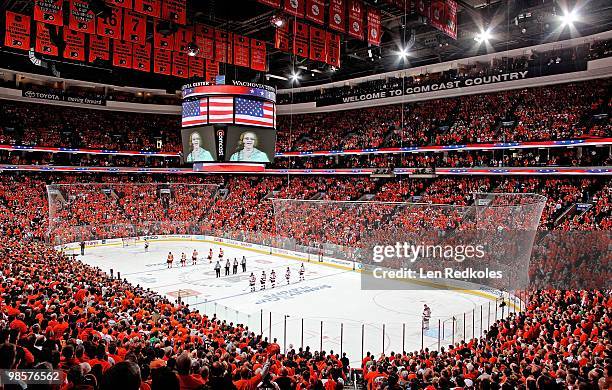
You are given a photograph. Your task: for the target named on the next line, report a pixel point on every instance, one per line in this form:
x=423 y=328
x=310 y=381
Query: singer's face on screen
x=249 y=140
x=195 y=141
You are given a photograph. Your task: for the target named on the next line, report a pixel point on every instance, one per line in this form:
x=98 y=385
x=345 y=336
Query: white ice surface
x=328 y=294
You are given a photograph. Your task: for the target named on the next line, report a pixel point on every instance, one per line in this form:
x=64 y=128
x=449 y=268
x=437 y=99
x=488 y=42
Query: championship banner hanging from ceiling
x=282 y=39
x=128 y=4
x=337 y=15
x=161 y=41
x=175 y=10
x=110 y=25
x=182 y=38
x=43 y=40
x=148 y=7
x=301 y=39
x=49 y=11
x=122 y=54
x=180 y=64
x=317 y=44
x=81 y=18
x=422 y=8
x=75 y=45
x=134 y=27
x=315 y=11
x=162 y=62
x=212 y=71
x=355 y=19
x=142 y=57
x=374 y=31
x=294 y=7
x=258 y=55
x=223 y=46
x=99 y=48
x=196 y=67
x=242 y=56
x=205 y=39
x=332 y=49
x=17 y=31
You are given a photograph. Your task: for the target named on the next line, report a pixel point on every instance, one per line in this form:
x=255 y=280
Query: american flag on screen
x=195 y=113
x=254 y=112
x=221 y=109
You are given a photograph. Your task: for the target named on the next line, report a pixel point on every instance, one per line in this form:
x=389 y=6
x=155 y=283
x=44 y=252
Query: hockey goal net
x=129 y=241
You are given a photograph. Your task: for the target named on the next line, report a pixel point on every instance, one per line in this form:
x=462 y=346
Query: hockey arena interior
x=305 y=194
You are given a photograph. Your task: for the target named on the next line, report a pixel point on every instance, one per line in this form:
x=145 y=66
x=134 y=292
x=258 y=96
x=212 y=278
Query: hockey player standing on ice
x=194 y=257
x=146 y=245
x=426 y=317
x=273 y=278
x=210 y=255
x=235 y=266
x=218 y=269
x=288 y=275
x=252 y=282
x=227 y=267
x=243 y=263
x=262 y=281
x=170 y=259
x=183 y=259
x=220 y=253
x=302 y=270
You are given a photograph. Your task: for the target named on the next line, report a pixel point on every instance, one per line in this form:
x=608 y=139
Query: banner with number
x=315 y=11
x=301 y=39
x=161 y=41
x=182 y=37
x=242 y=55
x=212 y=71
x=317 y=44
x=196 y=67
x=110 y=25
x=142 y=57
x=332 y=49
x=337 y=15
x=44 y=45
x=271 y=3
x=205 y=39
x=180 y=64
x=258 y=55
x=282 y=37
x=17 y=31
x=81 y=18
x=175 y=10
x=148 y=7
x=444 y=16
x=162 y=62
x=374 y=31
x=355 y=19
x=294 y=7
x=49 y=11
x=122 y=54
x=223 y=46
x=134 y=27
x=75 y=45
x=99 y=48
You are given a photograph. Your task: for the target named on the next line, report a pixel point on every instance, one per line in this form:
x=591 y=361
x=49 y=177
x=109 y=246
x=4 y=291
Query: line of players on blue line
x=234 y=266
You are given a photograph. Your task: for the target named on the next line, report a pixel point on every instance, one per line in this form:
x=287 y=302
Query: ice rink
x=328 y=309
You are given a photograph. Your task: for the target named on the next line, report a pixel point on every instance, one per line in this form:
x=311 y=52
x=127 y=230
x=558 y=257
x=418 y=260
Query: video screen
x=199 y=144
x=248 y=144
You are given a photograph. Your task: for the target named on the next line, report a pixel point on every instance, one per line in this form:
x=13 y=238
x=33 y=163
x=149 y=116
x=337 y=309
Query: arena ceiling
x=512 y=24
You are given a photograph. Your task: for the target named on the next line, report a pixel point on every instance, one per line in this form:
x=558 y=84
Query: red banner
x=337 y=15
x=451 y=19
x=333 y=49
x=142 y=57
x=258 y=55
x=17 y=31
x=212 y=71
x=148 y=7
x=317 y=44
x=161 y=41
x=196 y=67
x=282 y=39
x=122 y=54
x=121 y=3
x=81 y=18
x=162 y=61
x=355 y=19
x=205 y=39
x=49 y=11
x=110 y=26
x=43 y=40
x=176 y=11
x=422 y=8
x=295 y=7
x=374 y=31
x=271 y=3
x=182 y=38
x=75 y=45
x=242 y=55
x=301 y=39
x=99 y=48
x=180 y=64
x=134 y=27
x=223 y=46
x=315 y=11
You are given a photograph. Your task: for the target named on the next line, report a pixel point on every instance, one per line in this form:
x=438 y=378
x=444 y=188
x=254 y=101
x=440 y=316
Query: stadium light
x=568 y=18
x=403 y=53
x=483 y=36
x=294 y=77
